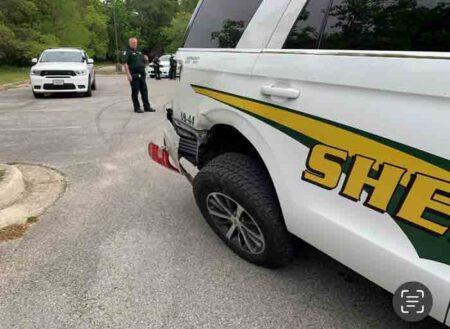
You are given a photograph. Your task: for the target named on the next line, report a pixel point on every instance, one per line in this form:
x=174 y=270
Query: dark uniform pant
x=138 y=84
x=172 y=73
x=157 y=73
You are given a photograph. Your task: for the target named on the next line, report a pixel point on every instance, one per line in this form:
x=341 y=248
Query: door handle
x=281 y=92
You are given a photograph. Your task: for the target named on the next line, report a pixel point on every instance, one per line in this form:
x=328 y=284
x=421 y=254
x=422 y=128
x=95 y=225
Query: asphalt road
x=126 y=247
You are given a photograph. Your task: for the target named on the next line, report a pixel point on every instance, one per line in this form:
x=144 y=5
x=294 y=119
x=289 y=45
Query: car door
x=218 y=53
x=356 y=134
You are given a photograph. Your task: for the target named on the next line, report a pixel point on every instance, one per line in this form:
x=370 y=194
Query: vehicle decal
x=411 y=185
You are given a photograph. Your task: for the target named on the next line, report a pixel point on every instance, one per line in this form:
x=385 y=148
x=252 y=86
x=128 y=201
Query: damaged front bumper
x=179 y=151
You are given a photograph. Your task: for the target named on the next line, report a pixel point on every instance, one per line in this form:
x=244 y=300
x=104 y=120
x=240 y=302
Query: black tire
x=94 y=84
x=38 y=95
x=247 y=182
x=88 y=93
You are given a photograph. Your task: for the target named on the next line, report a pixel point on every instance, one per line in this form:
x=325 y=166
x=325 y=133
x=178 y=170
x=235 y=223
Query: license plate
x=58 y=82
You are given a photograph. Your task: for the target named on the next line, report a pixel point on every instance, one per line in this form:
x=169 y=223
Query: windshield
x=165 y=58
x=62 y=56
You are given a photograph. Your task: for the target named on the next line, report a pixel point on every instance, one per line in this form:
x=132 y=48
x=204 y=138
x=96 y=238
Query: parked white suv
x=63 y=70
x=325 y=119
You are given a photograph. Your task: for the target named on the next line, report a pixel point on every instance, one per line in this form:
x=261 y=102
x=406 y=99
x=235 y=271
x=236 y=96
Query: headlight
x=81 y=72
x=35 y=72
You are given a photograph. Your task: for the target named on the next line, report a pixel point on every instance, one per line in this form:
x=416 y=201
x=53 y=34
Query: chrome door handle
x=281 y=92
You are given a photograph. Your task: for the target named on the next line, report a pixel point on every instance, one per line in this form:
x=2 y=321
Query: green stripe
x=423 y=155
x=427 y=246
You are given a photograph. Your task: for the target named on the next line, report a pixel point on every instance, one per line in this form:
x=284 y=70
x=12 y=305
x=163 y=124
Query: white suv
x=63 y=70
x=325 y=119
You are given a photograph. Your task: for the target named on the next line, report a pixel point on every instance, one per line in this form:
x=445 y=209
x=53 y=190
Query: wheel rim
x=235 y=223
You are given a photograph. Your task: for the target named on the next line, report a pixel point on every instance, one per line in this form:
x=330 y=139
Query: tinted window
x=220 y=23
x=388 y=25
x=408 y=25
x=306 y=31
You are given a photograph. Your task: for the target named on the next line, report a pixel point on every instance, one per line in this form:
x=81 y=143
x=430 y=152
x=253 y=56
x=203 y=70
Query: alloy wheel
x=235 y=223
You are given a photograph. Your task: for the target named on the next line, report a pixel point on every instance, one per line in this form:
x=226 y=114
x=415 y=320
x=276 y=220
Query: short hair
x=133 y=38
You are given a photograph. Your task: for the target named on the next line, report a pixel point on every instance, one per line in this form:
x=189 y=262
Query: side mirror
x=34 y=61
x=90 y=61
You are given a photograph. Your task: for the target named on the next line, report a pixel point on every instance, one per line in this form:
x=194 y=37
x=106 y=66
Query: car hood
x=60 y=66
x=162 y=63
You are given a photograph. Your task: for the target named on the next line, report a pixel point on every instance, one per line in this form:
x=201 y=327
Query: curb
x=43 y=187
x=12 y=185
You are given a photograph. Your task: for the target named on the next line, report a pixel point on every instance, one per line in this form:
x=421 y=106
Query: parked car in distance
x=62 y=70
x=333 y=131
x=164 y=67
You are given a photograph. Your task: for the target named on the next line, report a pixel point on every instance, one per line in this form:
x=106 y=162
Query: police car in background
x=63 y=70
x=325 y=119
x=164 y=67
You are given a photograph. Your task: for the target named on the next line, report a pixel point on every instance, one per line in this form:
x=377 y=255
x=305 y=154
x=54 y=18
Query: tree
x=149 y=18
x=229 y=35
x=188 y=6
x=123 y=23
x=27 y=27
x=393 y=25
x=174 y=33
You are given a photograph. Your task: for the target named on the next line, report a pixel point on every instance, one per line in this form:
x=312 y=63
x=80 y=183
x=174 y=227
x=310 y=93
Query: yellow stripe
x=333 y=136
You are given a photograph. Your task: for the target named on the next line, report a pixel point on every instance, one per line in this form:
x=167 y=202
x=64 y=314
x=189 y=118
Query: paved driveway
x=126 y=246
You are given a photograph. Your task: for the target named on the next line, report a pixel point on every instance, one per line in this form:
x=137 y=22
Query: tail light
x=160 y=156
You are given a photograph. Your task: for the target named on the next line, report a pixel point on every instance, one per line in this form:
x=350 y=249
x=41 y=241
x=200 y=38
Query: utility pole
x=118 y=69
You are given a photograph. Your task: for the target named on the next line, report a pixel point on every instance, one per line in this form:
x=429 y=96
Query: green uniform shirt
x=134 y=59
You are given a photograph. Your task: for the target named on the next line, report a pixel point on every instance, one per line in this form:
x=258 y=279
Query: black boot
x=138 y=110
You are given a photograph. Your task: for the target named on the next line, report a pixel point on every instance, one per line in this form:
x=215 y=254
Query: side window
x=307 y=29
x=402 y=25
x=414 y=25
x=220 y=23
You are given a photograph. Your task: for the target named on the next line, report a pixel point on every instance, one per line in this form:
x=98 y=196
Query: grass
x=14 y=232
x=103 y=64
x=2 y=173
x=11 y=74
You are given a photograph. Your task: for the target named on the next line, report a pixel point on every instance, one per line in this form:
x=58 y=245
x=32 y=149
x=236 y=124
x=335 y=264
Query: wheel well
x=224 y=139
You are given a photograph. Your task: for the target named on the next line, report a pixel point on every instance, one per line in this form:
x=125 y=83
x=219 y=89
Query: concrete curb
x=11 y=186
x=43 y=187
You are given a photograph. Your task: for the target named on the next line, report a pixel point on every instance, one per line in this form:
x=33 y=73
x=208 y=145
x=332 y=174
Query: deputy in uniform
x=157 y=68
x=134 y=64
x=173 y=68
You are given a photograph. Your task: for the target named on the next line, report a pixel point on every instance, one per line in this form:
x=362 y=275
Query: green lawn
x=10 y=74
x=103 y=64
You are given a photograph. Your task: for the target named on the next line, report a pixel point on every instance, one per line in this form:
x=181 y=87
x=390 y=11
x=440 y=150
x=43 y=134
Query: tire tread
x=248 y=176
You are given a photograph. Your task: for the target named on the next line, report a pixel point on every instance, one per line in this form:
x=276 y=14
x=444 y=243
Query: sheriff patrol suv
x=328 y=120
x=62 y=70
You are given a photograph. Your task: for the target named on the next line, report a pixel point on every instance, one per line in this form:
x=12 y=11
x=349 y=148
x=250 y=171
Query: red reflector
x=161 y=156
